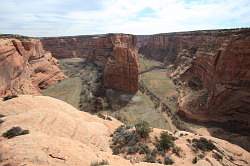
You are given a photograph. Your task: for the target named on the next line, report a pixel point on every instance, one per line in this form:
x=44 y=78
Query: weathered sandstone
x=25 y=67
x=60 y=135
x=212 y=69
x=166 y=47
x=115 y=54
x=225 y=76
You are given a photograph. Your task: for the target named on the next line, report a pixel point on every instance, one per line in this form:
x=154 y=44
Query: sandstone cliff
x=25 y=67
x=212 y=69
x=166 y=47
x=115 y=54
x=225 y=77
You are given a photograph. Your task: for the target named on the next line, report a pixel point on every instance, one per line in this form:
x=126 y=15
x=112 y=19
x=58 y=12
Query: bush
x=9 y=97
x=98 y=163
x=143 y=149
x=165 y=142
x=194 y=161
x=132 y=149
x=124 y=140
x=15 y=131
x=150 y=157
x=203 y=144
x=168 y=161
x=143 y=129
x=177 y=150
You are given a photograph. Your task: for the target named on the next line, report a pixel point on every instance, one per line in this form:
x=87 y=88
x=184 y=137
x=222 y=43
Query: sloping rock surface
x=61 y=135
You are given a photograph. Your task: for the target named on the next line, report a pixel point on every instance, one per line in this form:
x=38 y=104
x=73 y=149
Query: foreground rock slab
x=61 y=135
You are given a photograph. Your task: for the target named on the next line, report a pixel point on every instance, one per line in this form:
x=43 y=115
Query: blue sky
x=79 y=17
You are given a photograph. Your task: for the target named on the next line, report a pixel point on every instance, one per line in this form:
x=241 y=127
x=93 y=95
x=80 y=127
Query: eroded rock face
x=226 y=77
x=25 y=67
x=115 y=54
x=166 y=47
x=212 y=69
x=121 y=69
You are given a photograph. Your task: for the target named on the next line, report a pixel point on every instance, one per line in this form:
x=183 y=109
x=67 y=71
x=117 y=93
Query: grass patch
x=67 y=90
x=141 y=108
x=146 y=64
x=161 y=85
x=15 y=131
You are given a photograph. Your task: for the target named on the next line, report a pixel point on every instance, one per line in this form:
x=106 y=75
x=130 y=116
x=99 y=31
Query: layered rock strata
x=225 y=77
x=166 y=47
x=25 y=67
x=212 y=69
x=115 y=54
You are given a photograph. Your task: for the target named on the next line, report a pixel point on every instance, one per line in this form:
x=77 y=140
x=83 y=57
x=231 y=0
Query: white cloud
x=75 y=17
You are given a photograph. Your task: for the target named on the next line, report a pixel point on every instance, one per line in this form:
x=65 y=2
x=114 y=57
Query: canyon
x=195 y=81
x=216 y=59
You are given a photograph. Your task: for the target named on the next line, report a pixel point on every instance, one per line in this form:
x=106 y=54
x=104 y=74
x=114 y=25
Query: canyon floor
x=83 y=86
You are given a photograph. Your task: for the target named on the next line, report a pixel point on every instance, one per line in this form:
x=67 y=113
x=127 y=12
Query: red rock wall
x=165 y=47
x=25 y=67
x=221 y=60
x=114 y=53
x=226 y=75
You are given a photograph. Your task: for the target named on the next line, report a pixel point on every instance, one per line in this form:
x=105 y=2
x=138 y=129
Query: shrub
x=124 y=140
x=168 y=161
x=15 y=131
x=1 y=121
x=203 y=144
x=194 y=161
x=143 y=149
x=150 y=157
x=98 y=163
x=143 y=129
x=165 y=142
x=132 y=149
x=177 y=150
x=9 y=97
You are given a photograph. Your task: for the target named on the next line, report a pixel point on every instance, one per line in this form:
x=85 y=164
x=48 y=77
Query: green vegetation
x=194 y=161
x=146 y=64
x=203 y=144
x=15 y=131
x=177 y=150
x=168 y=160
x=143 y=129
x=166 y=142
x=141 y=108
x=161 y=85
x=9 y=97
x=98 y=163
x=68 y=90
x=126 y=141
